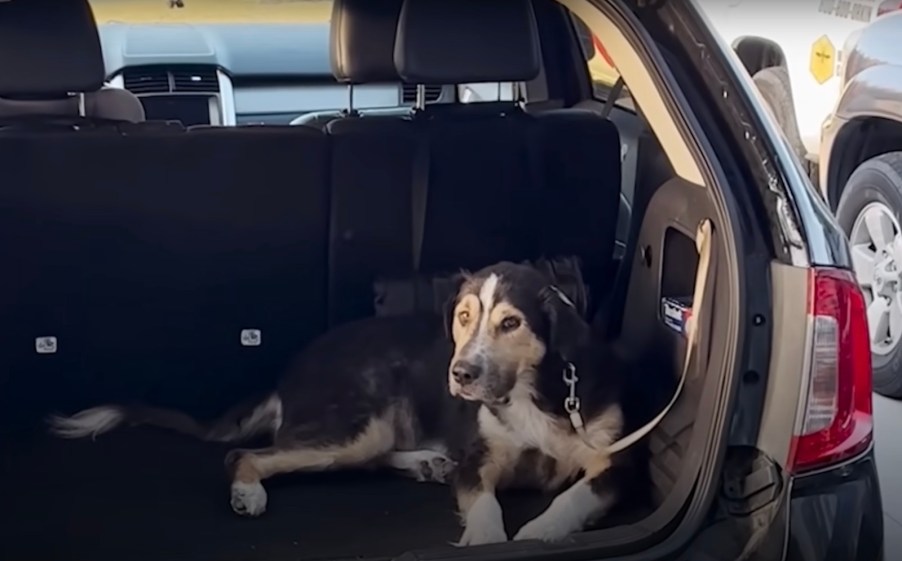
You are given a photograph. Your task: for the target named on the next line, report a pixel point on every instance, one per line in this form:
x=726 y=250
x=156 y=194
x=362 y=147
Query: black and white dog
x=512 y=391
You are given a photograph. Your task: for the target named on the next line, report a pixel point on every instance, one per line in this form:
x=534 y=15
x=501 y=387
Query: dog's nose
x=464 y=372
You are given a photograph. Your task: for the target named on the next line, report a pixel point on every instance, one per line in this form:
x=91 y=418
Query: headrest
x=48 y=48
x=107 y=103
x=465 y=41
x=362 y=40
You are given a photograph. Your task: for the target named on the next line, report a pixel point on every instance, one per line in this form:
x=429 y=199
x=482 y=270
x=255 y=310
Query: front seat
x=51 y=63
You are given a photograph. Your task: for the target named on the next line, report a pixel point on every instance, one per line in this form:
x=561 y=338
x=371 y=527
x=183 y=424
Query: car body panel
x=837 y=514
x=871 y=87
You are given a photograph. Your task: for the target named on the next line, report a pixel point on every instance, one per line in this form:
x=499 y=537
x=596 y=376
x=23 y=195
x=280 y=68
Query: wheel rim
x=876 y=245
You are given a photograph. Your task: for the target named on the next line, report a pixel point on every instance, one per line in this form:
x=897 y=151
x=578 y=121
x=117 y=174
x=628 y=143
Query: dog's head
x=505 y=321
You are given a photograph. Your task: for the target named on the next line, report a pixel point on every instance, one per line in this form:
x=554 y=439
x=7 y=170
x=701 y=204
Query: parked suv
x=861 y=178
x=182 y=267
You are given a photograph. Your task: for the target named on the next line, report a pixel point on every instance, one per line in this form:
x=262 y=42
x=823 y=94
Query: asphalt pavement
x=888 y=423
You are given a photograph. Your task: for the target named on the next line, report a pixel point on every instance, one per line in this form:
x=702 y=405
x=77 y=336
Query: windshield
x=211 y=11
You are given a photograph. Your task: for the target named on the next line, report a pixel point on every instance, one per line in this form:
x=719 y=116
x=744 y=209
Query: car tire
x=876 y=187
x=774 y=86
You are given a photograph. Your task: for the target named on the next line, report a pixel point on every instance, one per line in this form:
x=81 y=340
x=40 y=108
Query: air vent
x=409 y=93
x=179 y=79
x=146 y=80
x=203 y=80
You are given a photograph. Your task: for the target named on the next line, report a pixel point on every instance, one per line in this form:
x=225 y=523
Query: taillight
x=888 y=6
x=838 y=415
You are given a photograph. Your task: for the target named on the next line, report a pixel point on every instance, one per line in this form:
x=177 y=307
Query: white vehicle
x=793 y=50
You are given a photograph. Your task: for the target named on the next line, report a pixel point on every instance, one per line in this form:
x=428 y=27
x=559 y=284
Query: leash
x=571 y=402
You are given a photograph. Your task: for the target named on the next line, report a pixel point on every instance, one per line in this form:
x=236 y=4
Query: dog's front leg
x=475 y=482
x=572 y=510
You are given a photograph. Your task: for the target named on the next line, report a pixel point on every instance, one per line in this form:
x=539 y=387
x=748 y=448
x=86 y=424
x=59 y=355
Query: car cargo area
x=147 y=495
x=183 y=268
x=144 y=493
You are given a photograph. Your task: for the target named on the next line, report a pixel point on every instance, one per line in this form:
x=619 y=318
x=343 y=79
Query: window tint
x=487 y=91
x=601 y=69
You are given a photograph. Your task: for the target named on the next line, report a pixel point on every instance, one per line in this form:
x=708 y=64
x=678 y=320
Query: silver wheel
x=876 y=245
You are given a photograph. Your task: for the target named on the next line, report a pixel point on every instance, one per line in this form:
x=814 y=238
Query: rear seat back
x=580 y=203
x=145 y=262
x=53 y=64
x=372 y=158
x=479 y=184
x=502 y=184
x=144 y=266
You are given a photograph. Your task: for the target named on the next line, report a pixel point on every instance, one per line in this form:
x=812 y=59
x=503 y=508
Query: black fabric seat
x=476 y=175
x=371 y=166
x=580 y=203
x=146 y=259
x=53 y=65
x=143 y=262
x=503 y=184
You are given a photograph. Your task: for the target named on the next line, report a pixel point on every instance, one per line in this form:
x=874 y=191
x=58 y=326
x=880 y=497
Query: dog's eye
x=463 y=317
x=510 y=323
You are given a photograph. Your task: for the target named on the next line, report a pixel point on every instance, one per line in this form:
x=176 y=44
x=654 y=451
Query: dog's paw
x=248 y=499
x=424 y=465
x=546 y=528
x=481 y=534
x=484 y=522
x=437 y=468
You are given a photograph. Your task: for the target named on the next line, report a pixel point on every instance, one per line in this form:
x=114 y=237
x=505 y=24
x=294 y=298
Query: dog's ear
x=456 y=282
x=567 y=330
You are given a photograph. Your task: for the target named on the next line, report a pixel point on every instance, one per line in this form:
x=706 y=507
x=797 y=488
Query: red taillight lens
x=888 y=6
x=838 y=416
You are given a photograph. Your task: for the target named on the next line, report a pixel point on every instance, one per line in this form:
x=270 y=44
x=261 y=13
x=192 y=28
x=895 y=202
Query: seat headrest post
x=351 y=109
x=420 y=103
x=518 y=95
x=82 y=109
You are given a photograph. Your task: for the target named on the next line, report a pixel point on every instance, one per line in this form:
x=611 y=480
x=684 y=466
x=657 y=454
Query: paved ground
x=888 y=420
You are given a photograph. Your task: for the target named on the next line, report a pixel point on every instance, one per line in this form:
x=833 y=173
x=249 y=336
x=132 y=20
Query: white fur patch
x=90 y=422
x=248 y=499
x=525 y=426
x=486 y=303
x=484 y=522
x=569 y=512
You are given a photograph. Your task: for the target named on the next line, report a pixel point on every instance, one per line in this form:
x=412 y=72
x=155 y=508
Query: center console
x=191 y=94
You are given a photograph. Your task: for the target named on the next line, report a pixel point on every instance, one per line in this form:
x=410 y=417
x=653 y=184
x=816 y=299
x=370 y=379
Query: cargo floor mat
x=150 y=495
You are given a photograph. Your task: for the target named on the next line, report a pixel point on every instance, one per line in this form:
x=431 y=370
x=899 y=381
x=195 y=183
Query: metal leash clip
x=571 y=402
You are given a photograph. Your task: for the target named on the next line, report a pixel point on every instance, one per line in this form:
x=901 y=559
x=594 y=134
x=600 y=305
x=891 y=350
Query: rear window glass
x=601 y=69
x=211 y=11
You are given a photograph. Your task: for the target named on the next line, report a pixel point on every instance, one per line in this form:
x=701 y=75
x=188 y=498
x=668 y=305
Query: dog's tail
x=252 y=418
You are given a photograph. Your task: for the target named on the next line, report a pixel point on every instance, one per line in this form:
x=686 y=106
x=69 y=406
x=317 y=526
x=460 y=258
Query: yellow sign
x=823 y=59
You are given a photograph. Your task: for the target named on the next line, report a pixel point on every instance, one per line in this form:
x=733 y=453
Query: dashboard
x=233 y=74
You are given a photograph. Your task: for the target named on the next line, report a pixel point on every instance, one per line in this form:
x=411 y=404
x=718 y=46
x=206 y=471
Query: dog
x=509 y=389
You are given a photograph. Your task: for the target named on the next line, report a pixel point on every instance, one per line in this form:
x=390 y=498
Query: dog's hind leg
x=248 y=468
